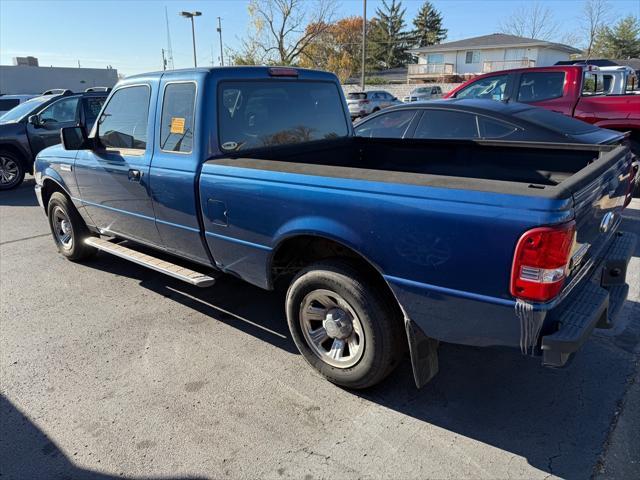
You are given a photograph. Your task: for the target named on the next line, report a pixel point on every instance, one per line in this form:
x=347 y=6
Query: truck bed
x=538 y=169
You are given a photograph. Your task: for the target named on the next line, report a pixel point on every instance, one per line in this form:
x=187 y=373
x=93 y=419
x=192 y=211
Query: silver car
x=423 y=93
x=362 y=104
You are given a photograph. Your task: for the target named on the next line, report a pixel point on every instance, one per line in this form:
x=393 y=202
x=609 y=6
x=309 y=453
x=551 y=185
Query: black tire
x=12 y=170
x=61 y=209
x=384 y=343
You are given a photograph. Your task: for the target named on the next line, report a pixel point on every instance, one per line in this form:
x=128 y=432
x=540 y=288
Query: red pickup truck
x=576 y=91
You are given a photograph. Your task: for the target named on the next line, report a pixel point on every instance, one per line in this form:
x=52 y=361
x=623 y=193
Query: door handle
x=134 y=175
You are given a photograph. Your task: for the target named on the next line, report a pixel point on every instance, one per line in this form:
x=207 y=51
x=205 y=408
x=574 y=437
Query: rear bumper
x=594 y=305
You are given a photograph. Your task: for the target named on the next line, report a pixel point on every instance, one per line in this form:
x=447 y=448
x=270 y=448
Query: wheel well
x=295 y=253
x=7 y=147
x=48 y=187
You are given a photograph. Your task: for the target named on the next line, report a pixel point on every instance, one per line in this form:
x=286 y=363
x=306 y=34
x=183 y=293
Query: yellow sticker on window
x=177 y=125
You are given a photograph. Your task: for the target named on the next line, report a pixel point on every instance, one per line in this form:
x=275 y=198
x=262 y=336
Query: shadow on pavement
x=23 y=196
x=26 y=452
x=559 y=420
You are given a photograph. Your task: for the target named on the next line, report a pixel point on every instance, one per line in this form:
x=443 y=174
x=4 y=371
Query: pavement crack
x=24 y=239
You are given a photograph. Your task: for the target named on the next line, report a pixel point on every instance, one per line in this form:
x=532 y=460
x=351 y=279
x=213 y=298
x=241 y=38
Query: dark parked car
x=35 y=125
x=481 y=119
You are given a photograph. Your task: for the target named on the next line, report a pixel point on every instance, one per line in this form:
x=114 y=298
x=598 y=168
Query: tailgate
x=598 y=200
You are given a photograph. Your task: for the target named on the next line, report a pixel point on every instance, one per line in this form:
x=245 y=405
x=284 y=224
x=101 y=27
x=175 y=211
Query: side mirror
x=34 y=120
x=74 y=138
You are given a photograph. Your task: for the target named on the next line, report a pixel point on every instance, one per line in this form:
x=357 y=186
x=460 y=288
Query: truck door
x=113 y=179
x=176 y=161
x=61 y=113
x=548 y=90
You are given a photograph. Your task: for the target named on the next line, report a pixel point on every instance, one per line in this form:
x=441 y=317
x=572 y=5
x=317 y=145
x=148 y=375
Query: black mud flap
x=424 y=354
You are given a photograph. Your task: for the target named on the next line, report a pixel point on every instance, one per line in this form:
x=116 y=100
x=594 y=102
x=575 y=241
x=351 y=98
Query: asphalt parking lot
x=109 y=370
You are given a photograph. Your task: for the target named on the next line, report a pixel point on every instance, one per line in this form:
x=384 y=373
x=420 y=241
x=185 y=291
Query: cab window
x=62 y=111
x=539 y=86
x=123 y=124
x=176 y=131
x=491 y=88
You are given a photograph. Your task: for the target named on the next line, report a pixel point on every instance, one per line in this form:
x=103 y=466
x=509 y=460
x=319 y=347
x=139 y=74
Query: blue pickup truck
x=383 y=245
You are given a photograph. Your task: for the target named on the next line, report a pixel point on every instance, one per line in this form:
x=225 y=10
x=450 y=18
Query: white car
x=7 y=102
x=423 y=93
x=362 y=104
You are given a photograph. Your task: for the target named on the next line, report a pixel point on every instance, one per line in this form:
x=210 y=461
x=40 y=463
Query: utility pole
x=364 y=42
x=220 y=32
x=190 y=16
x=169 y=49
x=164 y=61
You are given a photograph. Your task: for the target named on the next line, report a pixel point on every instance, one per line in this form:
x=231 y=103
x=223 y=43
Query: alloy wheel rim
x=331 y=328
x=9 y=171
x=62 y=228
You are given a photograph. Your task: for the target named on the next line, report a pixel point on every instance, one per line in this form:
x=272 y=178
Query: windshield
x=421 y=90
x=259 y=114
x=18 y=113
x=555 y=121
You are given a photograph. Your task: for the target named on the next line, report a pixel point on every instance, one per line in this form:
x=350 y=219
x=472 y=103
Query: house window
x=435 y=58
x=472 y=57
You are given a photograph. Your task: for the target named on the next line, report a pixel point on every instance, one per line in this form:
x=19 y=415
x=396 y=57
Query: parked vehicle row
x=382 y=245
x=571 y=90
x=471 y=119
x=35 y=124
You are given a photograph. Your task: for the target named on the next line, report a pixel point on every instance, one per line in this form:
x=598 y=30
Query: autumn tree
x=620 y=41
x=283 y=29
x=388 y=40
x=428 y=28
x=338 y=49
x=532 y=21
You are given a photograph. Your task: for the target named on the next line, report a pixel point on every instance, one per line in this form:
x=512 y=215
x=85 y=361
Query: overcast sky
x=129 y=35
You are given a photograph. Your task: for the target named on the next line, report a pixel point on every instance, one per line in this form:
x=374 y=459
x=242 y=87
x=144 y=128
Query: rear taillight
x=540 y=262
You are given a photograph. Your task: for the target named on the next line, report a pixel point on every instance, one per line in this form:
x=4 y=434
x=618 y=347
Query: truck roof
x=243 y=71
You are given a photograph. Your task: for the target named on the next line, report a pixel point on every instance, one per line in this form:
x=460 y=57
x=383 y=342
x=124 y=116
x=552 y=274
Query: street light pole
x=190 y=16
x=364 y=42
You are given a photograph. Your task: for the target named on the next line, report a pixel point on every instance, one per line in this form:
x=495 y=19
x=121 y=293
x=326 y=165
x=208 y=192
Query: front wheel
x=343 y=327
x=68 y=229
x=11 y=170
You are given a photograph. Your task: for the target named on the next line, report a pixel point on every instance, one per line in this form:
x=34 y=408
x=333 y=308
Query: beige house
x=484 y=54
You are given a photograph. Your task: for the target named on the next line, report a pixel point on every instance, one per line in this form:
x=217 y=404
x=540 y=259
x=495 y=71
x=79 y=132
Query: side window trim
x=193 y=132
x=125 y=151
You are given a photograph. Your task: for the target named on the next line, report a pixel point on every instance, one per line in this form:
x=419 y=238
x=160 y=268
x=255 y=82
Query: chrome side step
x=176 y=271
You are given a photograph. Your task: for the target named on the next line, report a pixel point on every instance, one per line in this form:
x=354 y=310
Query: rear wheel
x=68 y=229
x=343 y=327
x=11 y=170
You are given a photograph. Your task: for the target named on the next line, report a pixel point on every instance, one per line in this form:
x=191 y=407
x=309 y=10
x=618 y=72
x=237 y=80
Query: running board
x=176 y=271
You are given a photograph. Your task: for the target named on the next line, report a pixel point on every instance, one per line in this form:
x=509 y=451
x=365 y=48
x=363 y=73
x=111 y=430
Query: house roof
x=494 y=40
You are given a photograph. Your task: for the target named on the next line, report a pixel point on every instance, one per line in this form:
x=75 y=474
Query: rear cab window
x=176 y=127
x=254 y=114
x=539 y=86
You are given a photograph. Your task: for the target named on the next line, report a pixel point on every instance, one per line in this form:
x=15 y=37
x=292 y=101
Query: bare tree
x=284 y=28
x=595 y=15
x=532 y=21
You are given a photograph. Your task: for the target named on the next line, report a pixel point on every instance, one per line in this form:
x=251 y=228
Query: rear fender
x=423 y=349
